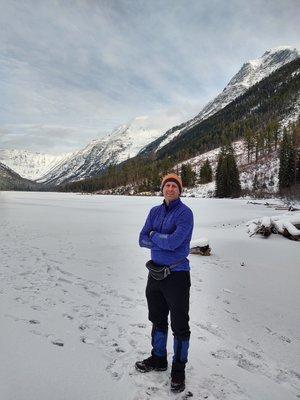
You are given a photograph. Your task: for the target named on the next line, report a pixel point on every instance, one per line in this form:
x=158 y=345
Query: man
x=167 y=232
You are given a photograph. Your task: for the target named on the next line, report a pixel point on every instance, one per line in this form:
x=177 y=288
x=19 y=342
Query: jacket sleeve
x=184 y=227
x=144 y=239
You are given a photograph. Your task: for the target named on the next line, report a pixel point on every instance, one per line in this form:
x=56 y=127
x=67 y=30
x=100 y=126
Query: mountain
x=28 y=164
x=250 y=74
x=142 y=135
x=257 y=116
x=273 y=101
x=10 y=180
x=145 y=136
x=123 y=143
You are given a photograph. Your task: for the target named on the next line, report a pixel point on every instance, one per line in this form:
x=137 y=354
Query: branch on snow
x=286 y=225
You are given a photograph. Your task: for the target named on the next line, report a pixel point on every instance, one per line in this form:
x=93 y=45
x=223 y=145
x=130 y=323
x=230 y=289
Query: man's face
x=171 y=191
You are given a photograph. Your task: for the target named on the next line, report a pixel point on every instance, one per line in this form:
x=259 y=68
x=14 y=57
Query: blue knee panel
x=181 y=348
x=159 y=343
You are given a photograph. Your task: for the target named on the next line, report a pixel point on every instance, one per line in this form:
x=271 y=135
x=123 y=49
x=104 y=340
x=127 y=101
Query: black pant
x=170 y=294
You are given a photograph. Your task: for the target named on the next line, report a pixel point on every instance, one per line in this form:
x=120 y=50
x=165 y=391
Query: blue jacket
x=170 y=242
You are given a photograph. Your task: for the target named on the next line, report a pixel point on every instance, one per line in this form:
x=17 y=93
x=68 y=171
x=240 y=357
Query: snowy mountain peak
x=30 y=165
x=255 y=70
x=251 y=72
x=122 y=143
x=282 y=51
x=281 y=54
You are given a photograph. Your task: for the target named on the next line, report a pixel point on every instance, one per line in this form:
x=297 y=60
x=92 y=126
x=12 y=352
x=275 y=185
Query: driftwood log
x=287 y=207
x=202 y=251
x=265 y=229
x=287 y=226
x=200 y=247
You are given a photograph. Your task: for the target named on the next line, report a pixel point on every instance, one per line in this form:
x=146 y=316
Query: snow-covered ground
x=73 y=313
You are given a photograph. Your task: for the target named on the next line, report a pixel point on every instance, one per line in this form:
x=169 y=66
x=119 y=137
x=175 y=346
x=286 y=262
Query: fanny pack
x=160 y=272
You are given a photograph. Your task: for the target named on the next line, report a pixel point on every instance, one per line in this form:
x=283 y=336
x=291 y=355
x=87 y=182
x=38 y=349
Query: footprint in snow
x=211 y=328
x=58 y=343
x=220 y=387
x=115 y=370
x=250 y=353
x=68 y=316
x=280 y=337
x=253 y=362
x=142 y=326
x=87 y=340
x=233 y=315
x=288 y=376
x=202 y=338
x=34 y=322
x=65 y=281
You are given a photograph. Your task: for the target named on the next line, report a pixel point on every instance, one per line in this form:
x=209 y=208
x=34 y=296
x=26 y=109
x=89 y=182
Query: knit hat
x=172 y=178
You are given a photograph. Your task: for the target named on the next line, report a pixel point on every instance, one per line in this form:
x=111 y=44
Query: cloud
x=96 y=64
x=46 y=138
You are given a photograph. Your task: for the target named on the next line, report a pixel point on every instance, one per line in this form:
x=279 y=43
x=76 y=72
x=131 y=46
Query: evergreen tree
x=227 y=175
x=206 y=172
x=269 y=138
x=188 y=176
x=272 y=129
x=250 y=142
x=259 y=144
x=153 y=179
x=255 y=182
x=286 y=161
x=296 y=147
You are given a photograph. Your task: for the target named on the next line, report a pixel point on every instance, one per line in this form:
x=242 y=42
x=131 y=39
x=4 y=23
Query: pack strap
x=176 y=264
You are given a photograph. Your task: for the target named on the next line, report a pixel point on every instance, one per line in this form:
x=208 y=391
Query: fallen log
x=286 y=225
x=265 y=228
x=290 y=231
x=200 y=247
x=202 y=251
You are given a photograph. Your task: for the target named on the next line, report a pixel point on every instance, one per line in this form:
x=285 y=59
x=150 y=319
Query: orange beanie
x=172 y=178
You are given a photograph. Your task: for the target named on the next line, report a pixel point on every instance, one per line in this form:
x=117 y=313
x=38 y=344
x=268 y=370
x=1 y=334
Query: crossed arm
x=167 y=241
x=144 y=239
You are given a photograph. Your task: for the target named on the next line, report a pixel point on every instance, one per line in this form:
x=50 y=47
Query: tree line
x=144 y=175
x=289 y=160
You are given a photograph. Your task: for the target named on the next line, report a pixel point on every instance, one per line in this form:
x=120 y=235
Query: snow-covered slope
x=123 y=143
x=251 y=73
x=30 y=165
x=266 y=170
x=6 y=172
x=10 y=180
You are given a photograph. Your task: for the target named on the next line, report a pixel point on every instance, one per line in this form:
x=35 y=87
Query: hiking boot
x=177 y=384
x=178 y=377
x=153 y=363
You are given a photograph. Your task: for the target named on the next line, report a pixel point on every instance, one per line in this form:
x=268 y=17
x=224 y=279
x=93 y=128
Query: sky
x=72 y=71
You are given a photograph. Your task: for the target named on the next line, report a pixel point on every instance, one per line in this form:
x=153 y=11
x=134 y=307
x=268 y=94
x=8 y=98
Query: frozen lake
x=73 y=312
